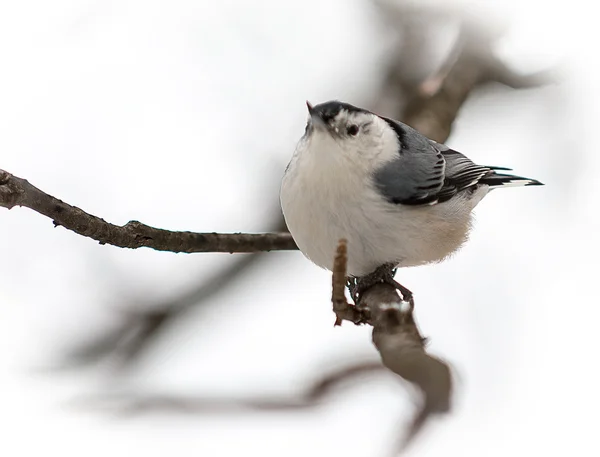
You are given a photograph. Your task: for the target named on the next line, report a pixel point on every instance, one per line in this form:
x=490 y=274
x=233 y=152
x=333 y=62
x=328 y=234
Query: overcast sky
x=183 y=115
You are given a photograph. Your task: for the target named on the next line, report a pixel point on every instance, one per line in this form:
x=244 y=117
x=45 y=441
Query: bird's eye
x=352 y=129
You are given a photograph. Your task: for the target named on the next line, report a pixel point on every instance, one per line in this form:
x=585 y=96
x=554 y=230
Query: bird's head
x=344 y=132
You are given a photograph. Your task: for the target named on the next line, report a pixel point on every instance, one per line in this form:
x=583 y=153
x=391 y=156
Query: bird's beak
x=315 y=117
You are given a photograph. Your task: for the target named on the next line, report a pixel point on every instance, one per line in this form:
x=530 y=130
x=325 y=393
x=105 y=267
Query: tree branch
x=399 y=343
x=15 y=191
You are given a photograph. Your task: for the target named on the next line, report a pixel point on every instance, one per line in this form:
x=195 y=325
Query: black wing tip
x=500 y=180
x=508 y=178
x=535 y=182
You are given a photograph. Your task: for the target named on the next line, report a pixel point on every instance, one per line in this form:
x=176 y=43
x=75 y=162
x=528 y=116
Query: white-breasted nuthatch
x=398 y=197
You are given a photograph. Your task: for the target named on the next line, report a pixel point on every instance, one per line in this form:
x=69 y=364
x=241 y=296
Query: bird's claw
x=384 y=274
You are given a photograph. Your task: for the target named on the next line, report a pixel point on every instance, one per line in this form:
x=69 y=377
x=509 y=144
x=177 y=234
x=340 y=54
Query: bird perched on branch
x=397 y=197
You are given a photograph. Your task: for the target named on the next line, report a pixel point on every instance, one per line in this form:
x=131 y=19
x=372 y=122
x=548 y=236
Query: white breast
x=324 y=199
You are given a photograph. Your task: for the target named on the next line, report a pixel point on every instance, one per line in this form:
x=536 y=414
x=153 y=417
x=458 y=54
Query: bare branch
x=15 y=191
x=402 y=349
x=399 y=342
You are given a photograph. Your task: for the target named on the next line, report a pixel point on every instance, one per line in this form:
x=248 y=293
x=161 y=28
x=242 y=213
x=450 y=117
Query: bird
x=398 y=198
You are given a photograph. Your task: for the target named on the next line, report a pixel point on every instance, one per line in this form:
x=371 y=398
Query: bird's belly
x=404 y=239
x=377 y=233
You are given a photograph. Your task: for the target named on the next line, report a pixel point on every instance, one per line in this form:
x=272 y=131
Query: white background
x=183 y=115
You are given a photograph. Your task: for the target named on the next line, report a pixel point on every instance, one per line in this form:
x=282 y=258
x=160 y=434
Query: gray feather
x=426 y=172
x=417 y=175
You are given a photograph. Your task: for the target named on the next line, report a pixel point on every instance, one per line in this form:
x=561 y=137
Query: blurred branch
x=433 y=105
x=312 y=397
x=139 y=328
x=15 y=191
x=501 y=74
x=395 y=336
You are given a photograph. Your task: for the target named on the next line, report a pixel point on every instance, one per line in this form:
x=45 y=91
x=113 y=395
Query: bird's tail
x=495 y=180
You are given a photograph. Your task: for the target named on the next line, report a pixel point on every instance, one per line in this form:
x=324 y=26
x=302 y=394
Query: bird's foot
x=384 y=274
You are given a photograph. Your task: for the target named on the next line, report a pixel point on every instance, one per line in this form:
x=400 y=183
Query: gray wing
x=426 y=172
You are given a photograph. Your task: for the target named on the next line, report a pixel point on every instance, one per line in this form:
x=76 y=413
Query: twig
x=342 y=309
x=15 y=191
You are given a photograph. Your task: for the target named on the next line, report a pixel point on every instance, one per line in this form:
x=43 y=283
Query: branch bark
x=398 y=341
x=15 y=191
